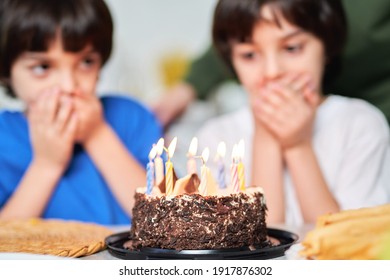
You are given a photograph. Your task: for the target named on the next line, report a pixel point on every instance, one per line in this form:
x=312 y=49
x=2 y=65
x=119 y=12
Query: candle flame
x=153 y=152
x=221 y=150
x=160 y=146
x=205 y=155
x=172 y=147
x=193 y=147
x=241 y=149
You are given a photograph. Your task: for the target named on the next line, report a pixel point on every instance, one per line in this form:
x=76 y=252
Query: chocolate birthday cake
x=191 y=221
x=193 y=213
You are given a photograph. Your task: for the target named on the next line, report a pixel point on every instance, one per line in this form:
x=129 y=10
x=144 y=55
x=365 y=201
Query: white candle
x=221 y=151
x=204 y=173
x=191 y=162
x=158 y=162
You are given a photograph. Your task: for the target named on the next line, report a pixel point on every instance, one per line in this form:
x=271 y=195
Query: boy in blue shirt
x=69 y=155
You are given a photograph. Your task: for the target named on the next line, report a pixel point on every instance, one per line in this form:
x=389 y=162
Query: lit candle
x=150 y=171
x=233 y=169
x=191 y=163
x=158 y=162
x=221 y=151
x=240 y=165
x=169 y=168
x=204 y=172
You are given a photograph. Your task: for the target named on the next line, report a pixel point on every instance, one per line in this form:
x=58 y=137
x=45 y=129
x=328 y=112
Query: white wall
x=145 y=31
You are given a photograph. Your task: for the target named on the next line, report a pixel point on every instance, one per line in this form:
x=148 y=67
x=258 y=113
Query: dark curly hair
x=234 y=21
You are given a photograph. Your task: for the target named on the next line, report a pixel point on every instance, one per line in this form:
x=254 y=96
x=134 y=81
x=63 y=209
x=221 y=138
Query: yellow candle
x=169 y=168
x=169 y=178
x=241 y=176
x=207 y=184
x=240 y=165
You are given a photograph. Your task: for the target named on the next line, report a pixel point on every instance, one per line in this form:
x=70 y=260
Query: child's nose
x=68 y=82
x=272 y=68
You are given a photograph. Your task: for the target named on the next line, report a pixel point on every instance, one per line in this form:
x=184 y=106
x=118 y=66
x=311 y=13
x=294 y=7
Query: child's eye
x=295 y=48
x=248 y=55
x=40 y=69
x=87 y=63
x=90 y=61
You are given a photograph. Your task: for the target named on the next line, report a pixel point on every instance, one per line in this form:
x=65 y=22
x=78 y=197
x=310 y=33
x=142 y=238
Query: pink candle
x=234 y=171
x=234 y=176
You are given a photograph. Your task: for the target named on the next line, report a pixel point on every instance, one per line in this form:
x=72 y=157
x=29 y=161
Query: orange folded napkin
x=52 y=237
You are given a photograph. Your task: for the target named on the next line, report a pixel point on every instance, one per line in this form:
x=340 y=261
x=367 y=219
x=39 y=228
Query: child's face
x=276 y=52
x=71 y=72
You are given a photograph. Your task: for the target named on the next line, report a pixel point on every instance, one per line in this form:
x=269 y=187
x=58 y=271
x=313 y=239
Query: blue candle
x=221 y=175
x=149 y=177
x=150 y=171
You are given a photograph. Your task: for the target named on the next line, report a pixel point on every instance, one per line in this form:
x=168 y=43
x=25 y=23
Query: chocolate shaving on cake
x=195 y=222
x=192 y=185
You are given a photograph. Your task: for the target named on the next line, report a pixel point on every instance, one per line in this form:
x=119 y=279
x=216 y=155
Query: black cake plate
x=281 y=240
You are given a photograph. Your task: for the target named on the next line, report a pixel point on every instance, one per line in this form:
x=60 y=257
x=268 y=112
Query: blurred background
x=154 y=41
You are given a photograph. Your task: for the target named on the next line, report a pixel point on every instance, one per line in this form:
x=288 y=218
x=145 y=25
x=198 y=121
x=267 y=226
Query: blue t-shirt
x=82 y=193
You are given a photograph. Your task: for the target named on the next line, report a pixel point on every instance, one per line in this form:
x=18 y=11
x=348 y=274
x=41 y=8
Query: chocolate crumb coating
x=193 y=221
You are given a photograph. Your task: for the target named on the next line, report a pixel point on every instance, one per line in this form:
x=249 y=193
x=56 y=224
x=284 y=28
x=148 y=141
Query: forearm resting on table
x=119 y=168
x=312 y=190
x=267 y=172
x=33 y=193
